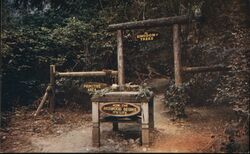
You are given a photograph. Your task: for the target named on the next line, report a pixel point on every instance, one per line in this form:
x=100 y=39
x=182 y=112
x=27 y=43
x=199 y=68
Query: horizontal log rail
x=205 y=69
x=86 y=74
x=151 y=23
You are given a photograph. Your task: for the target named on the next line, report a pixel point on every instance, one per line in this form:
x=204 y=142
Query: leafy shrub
x=176 y=99
x=69 y=92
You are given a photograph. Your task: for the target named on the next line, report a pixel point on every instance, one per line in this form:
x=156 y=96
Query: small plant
x=145 y=91
x=176 y=99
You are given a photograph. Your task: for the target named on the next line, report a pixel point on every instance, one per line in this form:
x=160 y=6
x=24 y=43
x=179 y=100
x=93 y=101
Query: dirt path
x=194 y=134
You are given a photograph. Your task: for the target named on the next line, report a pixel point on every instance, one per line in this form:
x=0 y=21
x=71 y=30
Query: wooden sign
x=147 y=36
x=93 y=86
x=120 y=109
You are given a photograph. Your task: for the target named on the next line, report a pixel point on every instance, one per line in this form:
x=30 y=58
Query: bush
x=176 y=99
x=70 y=93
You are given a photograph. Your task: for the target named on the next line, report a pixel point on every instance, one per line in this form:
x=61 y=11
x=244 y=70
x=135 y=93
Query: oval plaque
x=120 y=109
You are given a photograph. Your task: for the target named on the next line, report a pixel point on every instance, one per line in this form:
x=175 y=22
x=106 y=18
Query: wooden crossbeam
x=205 y=69
x=151 y=23
x=86 y=74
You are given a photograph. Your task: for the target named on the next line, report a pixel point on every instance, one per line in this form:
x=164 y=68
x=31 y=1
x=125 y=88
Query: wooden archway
x=175 y=21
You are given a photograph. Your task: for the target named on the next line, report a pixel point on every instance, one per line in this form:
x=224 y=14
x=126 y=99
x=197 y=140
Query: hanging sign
x=147 y=36
x=120 y=109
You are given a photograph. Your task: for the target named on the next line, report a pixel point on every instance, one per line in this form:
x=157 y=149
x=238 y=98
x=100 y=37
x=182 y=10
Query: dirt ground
x=70 y=131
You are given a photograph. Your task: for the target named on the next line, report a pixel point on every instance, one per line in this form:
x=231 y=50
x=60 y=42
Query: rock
x=117 y=147
x=36 y=130
x=125 y=142
x=4 y=138
x=131 y=141
x=120 y=149
x=59 y=132
x=111 y=141
x=133 y=145
x=144 y=149
x=137 y=140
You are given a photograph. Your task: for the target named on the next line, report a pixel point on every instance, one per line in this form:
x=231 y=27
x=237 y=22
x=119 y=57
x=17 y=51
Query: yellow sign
x=93 y=86
x=120 y=109
x=147 y=36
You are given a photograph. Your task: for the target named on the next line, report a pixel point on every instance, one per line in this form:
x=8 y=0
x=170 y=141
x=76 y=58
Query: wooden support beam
x=52 y=84
x=177 y=55
x=120 y=59
x=115 y=126
x=151 y=23
x=95 y=124
x=205 y=69
x=86 y=74
x=45 y=96
x=145 y=123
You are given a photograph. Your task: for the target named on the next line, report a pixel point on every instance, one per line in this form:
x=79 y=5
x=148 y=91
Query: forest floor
x=70 y=131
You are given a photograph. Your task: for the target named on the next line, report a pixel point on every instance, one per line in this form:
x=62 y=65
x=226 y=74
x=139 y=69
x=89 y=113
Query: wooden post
x=52 y=84
x=120 y=60
x=48 y=89
x=115 y=126
x=177 y=55
x=151 y=114
x=96 y=124
x=145 y=123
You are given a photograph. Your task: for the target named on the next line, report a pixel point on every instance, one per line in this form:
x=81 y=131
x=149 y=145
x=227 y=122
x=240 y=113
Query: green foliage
x=70 y=92
x=145 y=92
x=176 y=98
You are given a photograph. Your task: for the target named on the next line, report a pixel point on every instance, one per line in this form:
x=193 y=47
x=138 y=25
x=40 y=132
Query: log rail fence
x=50 y=90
